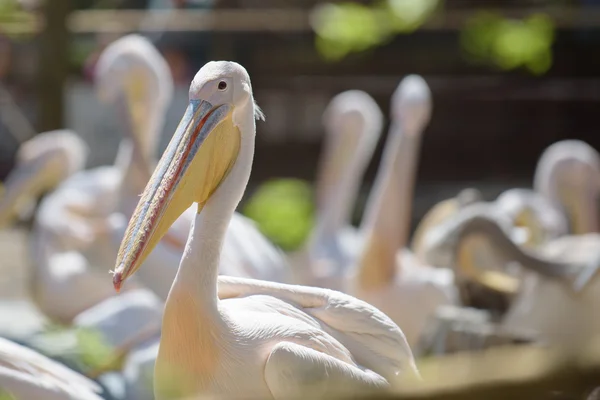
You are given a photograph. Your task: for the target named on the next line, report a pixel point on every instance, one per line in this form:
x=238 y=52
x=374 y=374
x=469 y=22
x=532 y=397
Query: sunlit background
x=508 y=78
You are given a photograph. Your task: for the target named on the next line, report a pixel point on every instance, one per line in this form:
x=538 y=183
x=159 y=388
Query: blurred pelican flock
x=324 y=215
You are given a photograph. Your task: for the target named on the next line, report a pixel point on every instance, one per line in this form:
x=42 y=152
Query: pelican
x=353 y=123
x=80 y=226
x=41 y=164
x=26 y=374
x=532 y=211
x=460 y=240
x=386 y=274
x=74 y=224
x=131 y=72
x=560 y=315
x=568 y=174
x=439 y=213
x=236 y=336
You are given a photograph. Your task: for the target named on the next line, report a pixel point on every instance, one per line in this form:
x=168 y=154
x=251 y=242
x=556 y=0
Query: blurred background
x=508 y=78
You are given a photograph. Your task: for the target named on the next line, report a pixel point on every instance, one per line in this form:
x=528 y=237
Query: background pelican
x=26 y=374
x=353 y=123
x=386 y=274
x=74 y=225
x=531 y=211
x=260 y=338
x=568 y=174
x=41 y=164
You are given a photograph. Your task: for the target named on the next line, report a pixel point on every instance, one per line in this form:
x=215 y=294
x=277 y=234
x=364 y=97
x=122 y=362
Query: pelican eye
x=222 y=85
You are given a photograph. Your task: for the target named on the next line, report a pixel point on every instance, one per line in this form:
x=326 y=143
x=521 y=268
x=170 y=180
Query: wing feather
x=374 y=340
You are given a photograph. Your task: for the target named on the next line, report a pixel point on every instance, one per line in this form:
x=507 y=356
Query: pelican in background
x=386 y=274
x=353 y=124
x=439 y=213
x=26 y=374
x=459 y=241
x=563 y=311
x=531 y=211
x=235 y=336
x=73 y=233
x=568 y=174
x=41 y=164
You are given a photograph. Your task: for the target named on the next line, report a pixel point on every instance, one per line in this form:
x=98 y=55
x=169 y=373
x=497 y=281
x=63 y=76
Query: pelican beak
x=198 y=158
x=134 y=113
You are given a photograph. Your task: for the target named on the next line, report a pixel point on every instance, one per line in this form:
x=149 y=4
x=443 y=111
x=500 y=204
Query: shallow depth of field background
x=508 y=78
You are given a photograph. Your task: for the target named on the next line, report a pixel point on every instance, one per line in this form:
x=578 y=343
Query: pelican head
x=205 y=147
x=533 y=212
x=353 y=122
x=41 y=164
x=411 y=104
x=132 y=74
x=568 y=173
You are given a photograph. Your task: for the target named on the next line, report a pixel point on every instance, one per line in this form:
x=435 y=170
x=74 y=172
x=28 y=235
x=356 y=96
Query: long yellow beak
x=198 y=158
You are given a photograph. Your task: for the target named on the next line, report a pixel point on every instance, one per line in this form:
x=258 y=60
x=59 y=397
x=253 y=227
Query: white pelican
x=72 y=232
x=439 y=213
x=460 y=240
x=568 y=174
x=26 y=374
x=386 y=274
x=353 y=124
x=41 y=164
x=236 y=336
x=132 y=73
x=560 y=315
x=533 y=212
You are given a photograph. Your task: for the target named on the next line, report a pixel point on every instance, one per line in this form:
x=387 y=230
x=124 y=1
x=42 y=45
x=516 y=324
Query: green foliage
x=344 y=28
x=95 y=353
x=8 y=7
x=283 y=210
x=4 y=395
x=83 y=348
x=79 y=51
x=15 y=22
x=508 y=43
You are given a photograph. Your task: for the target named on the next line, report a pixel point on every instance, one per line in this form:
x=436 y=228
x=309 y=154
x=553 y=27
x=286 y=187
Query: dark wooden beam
x=53 y=64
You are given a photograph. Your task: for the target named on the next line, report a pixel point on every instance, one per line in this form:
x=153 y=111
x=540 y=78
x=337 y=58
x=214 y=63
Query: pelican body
x=385 y=273
x=72 y=233
x=26 y=374
x=353 y=124
x=239 y=337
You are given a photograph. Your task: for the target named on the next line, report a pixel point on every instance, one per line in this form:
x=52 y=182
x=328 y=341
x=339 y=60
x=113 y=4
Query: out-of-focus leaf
x=14 y=21
x=508 y=43
x=477 y=37
x=7 y=7
x=95 y=353
x=83 y=349
x=5 y=395
x=344 y=28
x=283 y=210
x=408 y=15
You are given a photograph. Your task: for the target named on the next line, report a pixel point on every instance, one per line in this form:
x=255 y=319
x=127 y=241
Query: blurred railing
x=270 y=19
